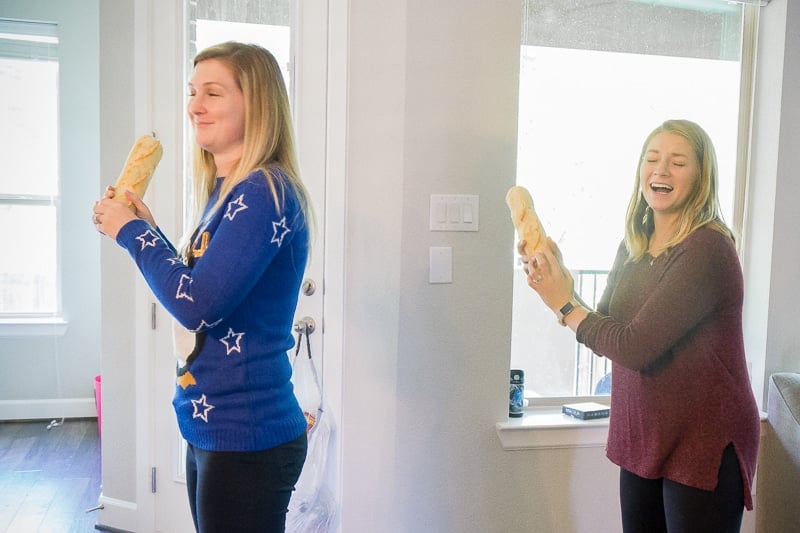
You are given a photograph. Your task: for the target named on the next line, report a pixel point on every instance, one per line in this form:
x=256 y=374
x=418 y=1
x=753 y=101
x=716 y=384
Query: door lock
x=308 y=287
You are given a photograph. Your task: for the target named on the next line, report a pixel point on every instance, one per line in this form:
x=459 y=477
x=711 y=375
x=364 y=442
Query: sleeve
x=613 y=279
x=166 y=240
x=689 y=290
x=251 y=232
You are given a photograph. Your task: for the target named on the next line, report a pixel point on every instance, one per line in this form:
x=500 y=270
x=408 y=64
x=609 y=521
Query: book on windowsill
x=586 y=410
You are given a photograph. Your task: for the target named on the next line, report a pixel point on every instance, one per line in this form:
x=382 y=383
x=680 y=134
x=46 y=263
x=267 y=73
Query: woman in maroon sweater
x=684 y=425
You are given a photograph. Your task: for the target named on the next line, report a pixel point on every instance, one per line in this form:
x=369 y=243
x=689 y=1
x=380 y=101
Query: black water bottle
x=516 y=393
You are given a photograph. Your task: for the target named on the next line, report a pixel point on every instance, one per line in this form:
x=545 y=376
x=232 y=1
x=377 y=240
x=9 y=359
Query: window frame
x=35 y=41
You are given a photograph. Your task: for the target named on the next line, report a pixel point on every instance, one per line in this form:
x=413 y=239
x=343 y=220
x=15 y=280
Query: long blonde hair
x=703 y=206
x=269 y=142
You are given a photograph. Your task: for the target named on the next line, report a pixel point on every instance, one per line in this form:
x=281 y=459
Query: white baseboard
x=47 y=409
x=116 y=515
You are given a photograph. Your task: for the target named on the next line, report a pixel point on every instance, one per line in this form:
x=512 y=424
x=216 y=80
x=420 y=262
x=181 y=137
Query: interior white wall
x=773 y=248
x=783 y=335
x=119 y=277
x=432 y=110
x=373 y=258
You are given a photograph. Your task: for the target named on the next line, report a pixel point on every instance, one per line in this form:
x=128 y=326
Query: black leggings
x=664 y=506
x=245 y=492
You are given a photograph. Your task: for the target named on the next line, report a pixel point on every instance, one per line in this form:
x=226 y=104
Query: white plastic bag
x=313 y=507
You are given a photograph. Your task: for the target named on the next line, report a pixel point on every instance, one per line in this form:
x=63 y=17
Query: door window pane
x=266 y=23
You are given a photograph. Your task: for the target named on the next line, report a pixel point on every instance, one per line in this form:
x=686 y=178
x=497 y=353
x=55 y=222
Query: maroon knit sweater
x=672 y=326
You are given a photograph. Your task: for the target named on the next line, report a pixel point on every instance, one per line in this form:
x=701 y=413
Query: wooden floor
x=49 y=477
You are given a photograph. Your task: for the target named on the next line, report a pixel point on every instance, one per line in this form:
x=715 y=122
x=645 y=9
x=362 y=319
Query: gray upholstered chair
x=778 y=477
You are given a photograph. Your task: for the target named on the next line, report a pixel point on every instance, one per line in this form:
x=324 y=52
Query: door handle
x=305 y=325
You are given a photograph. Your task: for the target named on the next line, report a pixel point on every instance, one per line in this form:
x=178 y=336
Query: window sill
x=33 y=327
x=547 y=428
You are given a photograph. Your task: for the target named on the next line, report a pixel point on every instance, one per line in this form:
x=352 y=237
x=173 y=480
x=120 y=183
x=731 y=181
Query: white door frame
x=158 y=64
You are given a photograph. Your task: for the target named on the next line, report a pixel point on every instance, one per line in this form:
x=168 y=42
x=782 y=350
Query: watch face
x=566 y=309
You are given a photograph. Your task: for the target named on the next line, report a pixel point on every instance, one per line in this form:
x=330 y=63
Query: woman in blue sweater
x=234 y=287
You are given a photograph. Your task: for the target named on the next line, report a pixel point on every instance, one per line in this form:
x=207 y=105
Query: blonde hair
x=703 y=206
x=269 y=143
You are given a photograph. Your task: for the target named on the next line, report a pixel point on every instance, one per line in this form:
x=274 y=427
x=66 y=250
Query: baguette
x=529 y=227
x=139 y=167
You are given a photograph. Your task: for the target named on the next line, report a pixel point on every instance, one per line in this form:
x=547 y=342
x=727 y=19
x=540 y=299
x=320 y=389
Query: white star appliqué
x=234 y=206
x=201 y=408
x=232 y=341
x=183 y=288
x=281 y=229
x=175 y=261
x=148 y=238
x=205 y=325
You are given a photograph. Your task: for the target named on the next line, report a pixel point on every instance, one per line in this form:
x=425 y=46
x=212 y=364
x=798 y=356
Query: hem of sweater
x=746 y=483
x=243 y=439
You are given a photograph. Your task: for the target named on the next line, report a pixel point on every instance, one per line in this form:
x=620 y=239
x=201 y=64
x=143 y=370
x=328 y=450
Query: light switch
x=441 y=264
x=440 y=212
x=453 y=212
x=466 y=213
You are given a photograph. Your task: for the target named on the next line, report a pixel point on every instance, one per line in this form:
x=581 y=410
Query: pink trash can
x=98 y=401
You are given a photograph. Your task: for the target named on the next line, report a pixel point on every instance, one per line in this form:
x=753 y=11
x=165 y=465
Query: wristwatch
x=565 y=310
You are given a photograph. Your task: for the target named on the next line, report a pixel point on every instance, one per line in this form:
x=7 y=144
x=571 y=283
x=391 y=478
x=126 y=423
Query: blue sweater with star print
x=239 y=297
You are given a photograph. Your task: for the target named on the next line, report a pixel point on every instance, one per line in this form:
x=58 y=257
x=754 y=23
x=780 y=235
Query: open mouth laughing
x=661 y=188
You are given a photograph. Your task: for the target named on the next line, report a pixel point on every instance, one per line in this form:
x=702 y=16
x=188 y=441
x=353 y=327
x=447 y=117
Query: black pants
x=246 y=492
x=661 y=505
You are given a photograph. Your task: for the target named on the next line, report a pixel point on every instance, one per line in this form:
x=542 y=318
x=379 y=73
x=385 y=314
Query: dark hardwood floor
x=49 y=477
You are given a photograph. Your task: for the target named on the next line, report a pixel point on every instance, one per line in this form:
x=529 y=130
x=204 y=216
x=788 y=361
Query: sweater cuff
x=586 y=325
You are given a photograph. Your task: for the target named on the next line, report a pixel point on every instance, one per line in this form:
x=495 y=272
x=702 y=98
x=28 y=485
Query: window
x=29 y=183
x=595 y=78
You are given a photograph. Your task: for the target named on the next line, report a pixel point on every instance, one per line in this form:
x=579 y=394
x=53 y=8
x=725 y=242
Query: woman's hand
x=547 y=274
x=109 y=215
x=140 y=208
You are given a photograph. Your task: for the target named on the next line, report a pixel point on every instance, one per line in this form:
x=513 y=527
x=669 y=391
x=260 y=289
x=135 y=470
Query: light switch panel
x=454 y=212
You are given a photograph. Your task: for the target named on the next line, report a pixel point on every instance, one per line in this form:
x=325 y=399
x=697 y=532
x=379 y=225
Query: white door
x=300 y=35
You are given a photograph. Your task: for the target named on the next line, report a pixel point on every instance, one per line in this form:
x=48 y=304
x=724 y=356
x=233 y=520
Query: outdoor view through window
x=29 y=182
x=595 y=78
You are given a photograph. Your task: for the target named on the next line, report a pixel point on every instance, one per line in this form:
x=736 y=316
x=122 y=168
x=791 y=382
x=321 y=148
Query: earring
x=646 y=215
